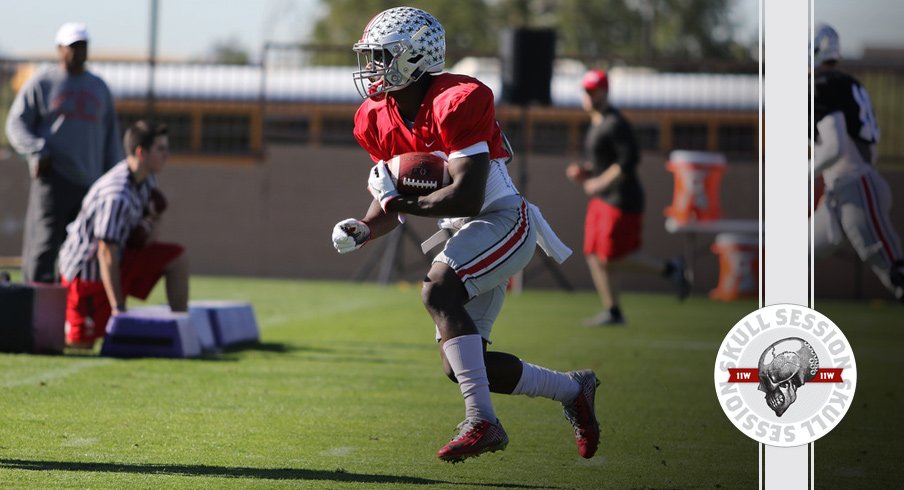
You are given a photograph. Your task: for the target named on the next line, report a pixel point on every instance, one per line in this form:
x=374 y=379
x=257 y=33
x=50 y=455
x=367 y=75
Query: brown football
x=418 y=173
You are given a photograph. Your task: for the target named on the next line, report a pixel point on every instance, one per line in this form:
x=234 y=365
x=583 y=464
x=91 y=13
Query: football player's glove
x=380 y=184
x=350 y=235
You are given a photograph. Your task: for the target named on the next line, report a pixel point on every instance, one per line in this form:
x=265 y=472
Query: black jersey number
x=869 y=128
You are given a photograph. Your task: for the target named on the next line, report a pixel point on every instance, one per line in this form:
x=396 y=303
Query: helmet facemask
x=397 y=48
x=387 y=67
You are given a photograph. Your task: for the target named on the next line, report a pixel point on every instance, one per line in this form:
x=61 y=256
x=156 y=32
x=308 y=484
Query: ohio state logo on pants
x=785 y=375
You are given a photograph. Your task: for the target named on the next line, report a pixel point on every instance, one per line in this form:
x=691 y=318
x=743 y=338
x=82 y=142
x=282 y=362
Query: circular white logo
x=785 y=375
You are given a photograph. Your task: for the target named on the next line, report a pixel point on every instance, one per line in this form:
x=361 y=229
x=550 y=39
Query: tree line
x=600 y=30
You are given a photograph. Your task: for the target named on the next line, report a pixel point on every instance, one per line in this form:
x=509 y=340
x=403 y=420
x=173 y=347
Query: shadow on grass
x=338 y=475
x=234 y=353
x=273 y=347
x=231 y=352
x=313 y=354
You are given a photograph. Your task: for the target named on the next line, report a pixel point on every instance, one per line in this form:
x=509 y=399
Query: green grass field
x=346 y=391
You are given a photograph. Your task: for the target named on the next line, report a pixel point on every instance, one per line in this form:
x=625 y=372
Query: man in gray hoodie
x=64 y=123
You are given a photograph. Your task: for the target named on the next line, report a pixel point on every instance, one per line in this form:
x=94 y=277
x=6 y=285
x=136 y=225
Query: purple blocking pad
x=151 y=333
x=232 y=322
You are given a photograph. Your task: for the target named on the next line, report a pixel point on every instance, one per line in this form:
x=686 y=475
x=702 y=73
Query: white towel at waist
x=546 y=237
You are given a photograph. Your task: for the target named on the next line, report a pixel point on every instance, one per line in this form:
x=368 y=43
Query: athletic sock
x=539 y=381
x=465 y=356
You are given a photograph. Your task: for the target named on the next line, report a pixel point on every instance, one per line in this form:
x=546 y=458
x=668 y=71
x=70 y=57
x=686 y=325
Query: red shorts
x=609 y=232
x=87 y=305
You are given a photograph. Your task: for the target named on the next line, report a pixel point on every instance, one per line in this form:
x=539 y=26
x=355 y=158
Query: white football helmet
x=826 y=46
x=398 y=46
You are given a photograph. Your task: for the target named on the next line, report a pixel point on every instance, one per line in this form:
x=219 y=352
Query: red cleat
x=475 y=437
x=580 y=413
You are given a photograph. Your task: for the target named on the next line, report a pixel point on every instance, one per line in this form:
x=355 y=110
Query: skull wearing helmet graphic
x=784 y=367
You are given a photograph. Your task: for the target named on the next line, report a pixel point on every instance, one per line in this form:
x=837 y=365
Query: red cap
x=595 y=79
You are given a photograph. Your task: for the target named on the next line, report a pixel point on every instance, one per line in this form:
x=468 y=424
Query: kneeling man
x=110 y=249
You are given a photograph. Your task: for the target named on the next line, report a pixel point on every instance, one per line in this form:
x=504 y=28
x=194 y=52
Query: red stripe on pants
x=874 y=217
x=499 y=251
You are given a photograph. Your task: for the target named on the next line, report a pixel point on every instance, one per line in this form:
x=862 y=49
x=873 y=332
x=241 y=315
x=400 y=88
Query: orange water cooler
x=739 y=256
x=698 y=176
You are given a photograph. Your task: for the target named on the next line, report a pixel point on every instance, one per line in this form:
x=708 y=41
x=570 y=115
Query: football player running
x=857 y=200
x=409 y=105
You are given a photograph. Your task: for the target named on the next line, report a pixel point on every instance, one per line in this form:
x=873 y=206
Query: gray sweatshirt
x=72 y=119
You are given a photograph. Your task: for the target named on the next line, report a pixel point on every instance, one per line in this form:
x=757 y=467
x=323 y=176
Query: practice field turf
x=346 y=391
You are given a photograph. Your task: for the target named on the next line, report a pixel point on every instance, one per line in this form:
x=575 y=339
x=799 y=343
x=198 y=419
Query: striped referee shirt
x=113 y=207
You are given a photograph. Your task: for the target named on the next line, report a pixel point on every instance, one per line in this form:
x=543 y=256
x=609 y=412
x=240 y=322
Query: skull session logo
x=781 y=373
x=785 y=375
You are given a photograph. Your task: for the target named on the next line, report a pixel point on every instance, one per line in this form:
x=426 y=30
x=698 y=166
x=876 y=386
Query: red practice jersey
x=458 y=111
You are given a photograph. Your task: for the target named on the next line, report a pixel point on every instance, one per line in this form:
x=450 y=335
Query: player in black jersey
x=857 y=200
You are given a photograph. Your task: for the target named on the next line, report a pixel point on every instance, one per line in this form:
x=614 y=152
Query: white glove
x=350 y=235
x=380 y=184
